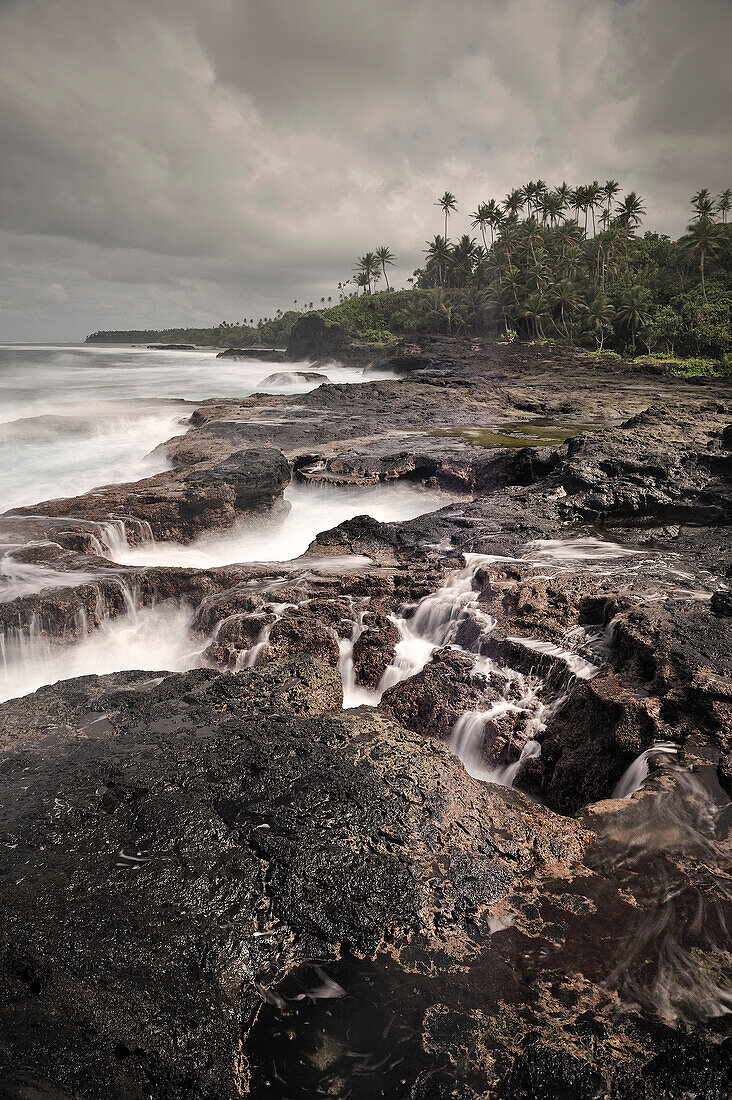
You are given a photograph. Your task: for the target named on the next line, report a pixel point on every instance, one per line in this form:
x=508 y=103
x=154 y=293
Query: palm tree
x=369 y=265
x=448 y=204
x=633 y=310
x=576 y=201
x=534 y=311
x=438 y=253
x=494 y=215
x=599 y=318
x=702 y=203
x=568 y=234
x=593 y=192
x=724 y=202
x=630 y=210
x=702 y=240
x=609 y=191
x=532 y=235
x=385 y=257
x=480 y=219
x=530 y=193
x=462 y=259
x=513 y=203
x=565 y=194
x=566 y=297
x=551 y=207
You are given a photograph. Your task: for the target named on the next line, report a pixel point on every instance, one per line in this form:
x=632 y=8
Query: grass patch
x=698 y=367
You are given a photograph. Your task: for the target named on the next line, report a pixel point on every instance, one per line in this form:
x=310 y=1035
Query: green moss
x=521 y=433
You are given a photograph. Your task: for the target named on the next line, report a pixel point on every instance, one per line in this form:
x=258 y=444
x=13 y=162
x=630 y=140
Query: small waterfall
x=115 y=537
x=155 y=638
x=19 y=579
x=579 y=666
x=248 y=658
x=435 y=622
x=354 y=694
x=635 y=775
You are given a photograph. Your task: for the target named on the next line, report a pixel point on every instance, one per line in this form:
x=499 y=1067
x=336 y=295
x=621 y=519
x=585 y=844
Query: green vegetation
x=268 y=332
x=563 y=265
x=567 y=265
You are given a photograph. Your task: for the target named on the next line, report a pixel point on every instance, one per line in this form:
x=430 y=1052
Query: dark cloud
x=167 y=160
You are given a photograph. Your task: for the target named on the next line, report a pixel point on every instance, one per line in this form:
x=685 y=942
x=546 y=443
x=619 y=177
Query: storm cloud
x=188 y=161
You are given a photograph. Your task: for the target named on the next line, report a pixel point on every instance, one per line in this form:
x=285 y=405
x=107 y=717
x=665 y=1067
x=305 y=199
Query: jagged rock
x=373 y=650
x=182 y=845
x=264 y=355
x=296 y=633
x=432 y=701
x=313 y=338
x=598 y=732
x=177 y=505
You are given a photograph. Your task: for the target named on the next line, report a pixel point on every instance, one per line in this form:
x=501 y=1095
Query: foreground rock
x=205 y=834
x=221 y=885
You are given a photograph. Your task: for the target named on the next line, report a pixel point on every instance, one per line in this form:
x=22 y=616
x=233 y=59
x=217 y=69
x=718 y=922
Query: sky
x=184 y=162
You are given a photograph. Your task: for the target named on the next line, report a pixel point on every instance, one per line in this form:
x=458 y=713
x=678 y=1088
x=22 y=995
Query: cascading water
x=434 y=623
x=635 y=775
x=157 y=638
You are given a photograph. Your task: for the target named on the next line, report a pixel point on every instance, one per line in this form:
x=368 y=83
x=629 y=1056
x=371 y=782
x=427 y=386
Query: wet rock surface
x=219 y=882
x=176 y=505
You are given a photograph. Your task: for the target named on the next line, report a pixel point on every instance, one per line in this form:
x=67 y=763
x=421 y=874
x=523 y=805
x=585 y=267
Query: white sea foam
x=312 y=509
x=156 y=638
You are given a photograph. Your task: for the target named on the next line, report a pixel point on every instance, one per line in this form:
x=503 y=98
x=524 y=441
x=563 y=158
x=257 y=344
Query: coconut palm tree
x=599 y=318
x=630 y=210
x=565 y=194
x=576 y=202
x=385 y=257
x=530 y=193
x=724 y=202
x=532 y=236
x=448 y=204
x=552 y=206
x=594 y=194
x=633 y=311
x=438 y=253
x=534 y=311
x=702 y=241
x=513 y=203
x=462 y=259
x=703 y=204
x=480 y=220
x=369 y=266
x=609 y=191
x=567 y=299
x=494 y=215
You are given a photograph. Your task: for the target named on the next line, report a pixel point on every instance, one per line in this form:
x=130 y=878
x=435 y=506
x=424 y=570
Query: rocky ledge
x=216 y=885
x=220 y=883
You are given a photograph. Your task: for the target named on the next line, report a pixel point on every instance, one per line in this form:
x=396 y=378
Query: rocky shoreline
x=220 y=882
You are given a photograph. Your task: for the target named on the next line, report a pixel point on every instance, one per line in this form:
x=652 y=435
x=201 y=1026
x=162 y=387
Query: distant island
x=564 y=265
